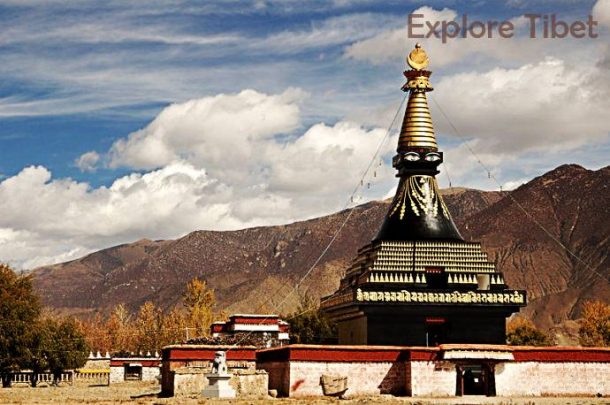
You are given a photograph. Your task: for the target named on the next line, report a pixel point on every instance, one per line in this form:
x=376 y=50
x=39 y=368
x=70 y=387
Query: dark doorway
x=475 y=379
x=436 y=331
x=436 y=278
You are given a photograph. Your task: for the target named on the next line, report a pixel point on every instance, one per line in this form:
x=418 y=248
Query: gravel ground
x=135 y=393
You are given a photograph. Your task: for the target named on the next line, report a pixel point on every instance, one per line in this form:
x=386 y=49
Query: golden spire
x=417 y=130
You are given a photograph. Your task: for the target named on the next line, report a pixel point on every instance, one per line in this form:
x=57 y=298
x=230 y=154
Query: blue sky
x=84 y=117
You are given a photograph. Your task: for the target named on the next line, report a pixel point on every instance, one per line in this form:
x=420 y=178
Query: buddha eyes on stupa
x=433 y=157
x=412 y=156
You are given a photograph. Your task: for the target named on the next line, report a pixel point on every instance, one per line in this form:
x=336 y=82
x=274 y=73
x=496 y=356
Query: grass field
x=135 y=393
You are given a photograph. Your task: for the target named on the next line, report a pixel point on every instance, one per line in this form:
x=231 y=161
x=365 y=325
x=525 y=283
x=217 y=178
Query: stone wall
x=182 y=365
x=151 y=373
x=363 y=378
x=279 y=376
x=535 y=378
x=250 y=383
x=117 y=374
x=246 y=383
x=295 y=370
x=416 y=378
x=432 y=378
x=187 y=381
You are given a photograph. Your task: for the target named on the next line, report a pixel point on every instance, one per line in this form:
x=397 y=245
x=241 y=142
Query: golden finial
x=418 y=59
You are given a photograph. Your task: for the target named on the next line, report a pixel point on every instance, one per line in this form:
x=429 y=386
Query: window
x=436 y=277
x=133 y=372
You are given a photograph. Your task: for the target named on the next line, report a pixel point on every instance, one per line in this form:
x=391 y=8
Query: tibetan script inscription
x=455 y=297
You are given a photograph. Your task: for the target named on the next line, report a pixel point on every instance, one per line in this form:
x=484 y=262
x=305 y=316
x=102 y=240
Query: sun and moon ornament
x=418 y=59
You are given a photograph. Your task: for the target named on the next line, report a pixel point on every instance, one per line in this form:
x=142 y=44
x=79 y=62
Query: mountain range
x=550 y=237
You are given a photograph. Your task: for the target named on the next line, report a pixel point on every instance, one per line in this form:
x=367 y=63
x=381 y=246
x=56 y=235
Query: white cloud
x=87 y=162
x=325 y=33
x=222 y=162
x=513 y=184
x=547 y=105
x=601 y=12
x=236 y=133
x=45 y=220
x=217 y=131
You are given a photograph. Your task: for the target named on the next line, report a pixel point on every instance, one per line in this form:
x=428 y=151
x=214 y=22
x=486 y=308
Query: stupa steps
x=419 y=267
x=402 y=258
x=402 y=264
x=388 y=246
x=417 y=278
x=447 y=268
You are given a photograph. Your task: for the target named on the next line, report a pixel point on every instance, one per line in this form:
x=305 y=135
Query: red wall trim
x=336 y=353
x=370 y=355
x=345 y=353
x=207 y=354
x=591 y=355
x=144 y=363
x=423 y=355
x=254 y=321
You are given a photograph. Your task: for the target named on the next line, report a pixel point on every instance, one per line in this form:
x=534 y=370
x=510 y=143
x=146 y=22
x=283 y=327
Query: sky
x=124 y=120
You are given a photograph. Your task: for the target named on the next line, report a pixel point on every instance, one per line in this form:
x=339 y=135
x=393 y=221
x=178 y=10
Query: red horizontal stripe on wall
x=550 y=355
x=208 y=354
x=144 y=363
x=253 y=321
x=345 y=354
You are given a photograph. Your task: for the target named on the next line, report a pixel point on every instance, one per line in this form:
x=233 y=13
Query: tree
x=61 y=346
x=96 y=333
x=595 y=324
x=19 y=308
x=174 y=327
x=522 y=332
x=121 y=330
x=149 y=325
x=309 y=324
x=199 y=301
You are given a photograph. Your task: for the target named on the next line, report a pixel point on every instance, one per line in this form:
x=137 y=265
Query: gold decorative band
x=417 y=128
x=418 y=144
x=414 y=135
x=419 y=124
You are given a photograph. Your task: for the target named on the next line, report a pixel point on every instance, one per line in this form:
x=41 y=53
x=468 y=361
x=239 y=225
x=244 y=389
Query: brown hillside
x=254 y=269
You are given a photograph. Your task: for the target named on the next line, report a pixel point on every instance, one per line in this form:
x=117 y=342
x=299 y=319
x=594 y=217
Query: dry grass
x=122 y=393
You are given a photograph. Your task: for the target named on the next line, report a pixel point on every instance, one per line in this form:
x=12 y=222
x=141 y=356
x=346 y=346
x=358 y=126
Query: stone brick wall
x=295 y=370
x=431 y=378
x=246 y=383
x=250 y=383
x=364 y=378
x=553 y=378
x=187 y=381
x=183 y=366
x=151 y=373
x=117 y=375
x=279 y=376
